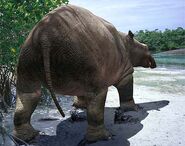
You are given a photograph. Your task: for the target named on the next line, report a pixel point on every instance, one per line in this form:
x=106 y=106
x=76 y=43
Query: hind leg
x=80 y=102
x=28 y=96
x=95 y=117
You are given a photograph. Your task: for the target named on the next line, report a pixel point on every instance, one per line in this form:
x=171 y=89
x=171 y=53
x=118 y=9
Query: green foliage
x=17 y=18
x=162 y=41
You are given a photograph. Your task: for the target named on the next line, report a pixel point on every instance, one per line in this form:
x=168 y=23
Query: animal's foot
x=120 y=117
x=25 y=132
x=129 y=106
x=77 y=116
x=97 y=133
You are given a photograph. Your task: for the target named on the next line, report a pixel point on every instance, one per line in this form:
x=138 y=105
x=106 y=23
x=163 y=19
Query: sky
x=138 y=15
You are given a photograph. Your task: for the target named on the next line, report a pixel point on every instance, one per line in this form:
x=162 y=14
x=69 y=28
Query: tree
x=162 y=41
x=17 y=18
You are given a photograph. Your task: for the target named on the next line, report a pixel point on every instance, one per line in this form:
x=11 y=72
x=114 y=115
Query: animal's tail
x=46 y=57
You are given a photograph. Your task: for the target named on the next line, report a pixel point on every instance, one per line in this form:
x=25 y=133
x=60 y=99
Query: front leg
x=95 y=117
x=125 y=90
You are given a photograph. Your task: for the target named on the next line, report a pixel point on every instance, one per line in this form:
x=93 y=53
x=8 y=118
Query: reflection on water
x=168 y=78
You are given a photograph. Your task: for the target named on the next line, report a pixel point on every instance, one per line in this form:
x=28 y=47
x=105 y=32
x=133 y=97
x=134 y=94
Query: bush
x=17 y=19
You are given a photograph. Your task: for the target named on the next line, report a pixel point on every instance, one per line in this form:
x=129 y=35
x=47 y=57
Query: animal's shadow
x=71 y=133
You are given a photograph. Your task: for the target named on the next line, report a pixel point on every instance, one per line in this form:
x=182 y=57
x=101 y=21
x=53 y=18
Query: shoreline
x=172 y=52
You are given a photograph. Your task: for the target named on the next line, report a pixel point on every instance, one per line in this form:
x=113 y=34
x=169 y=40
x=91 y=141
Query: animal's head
x=138 y=52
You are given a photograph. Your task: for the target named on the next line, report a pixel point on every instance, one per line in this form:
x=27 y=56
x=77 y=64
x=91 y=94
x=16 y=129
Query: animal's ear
x=130 y=34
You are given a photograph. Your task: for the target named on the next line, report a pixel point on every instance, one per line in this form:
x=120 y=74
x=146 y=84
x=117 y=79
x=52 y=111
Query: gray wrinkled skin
x=73 y=52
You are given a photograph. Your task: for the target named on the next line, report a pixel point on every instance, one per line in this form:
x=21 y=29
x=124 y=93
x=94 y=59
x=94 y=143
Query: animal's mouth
x=152 y=63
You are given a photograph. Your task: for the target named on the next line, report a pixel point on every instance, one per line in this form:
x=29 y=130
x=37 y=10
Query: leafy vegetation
x=17 y=18
x=162 y=40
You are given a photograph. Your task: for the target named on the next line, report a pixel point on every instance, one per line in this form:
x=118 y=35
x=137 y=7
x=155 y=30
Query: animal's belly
x=75 y=83
x=72 y=88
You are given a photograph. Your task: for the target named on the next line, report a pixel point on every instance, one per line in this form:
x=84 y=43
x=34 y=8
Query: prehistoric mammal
x=138 y=55
x=73 y=52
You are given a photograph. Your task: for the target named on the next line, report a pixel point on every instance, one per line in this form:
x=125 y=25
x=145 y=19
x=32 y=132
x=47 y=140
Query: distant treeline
x=158 y=40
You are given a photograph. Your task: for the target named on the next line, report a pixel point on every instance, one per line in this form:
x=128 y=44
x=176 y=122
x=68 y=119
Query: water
x=167 y=79
x=170 y=61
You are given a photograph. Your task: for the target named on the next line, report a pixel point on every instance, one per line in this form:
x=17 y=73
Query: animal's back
x=85 y=52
